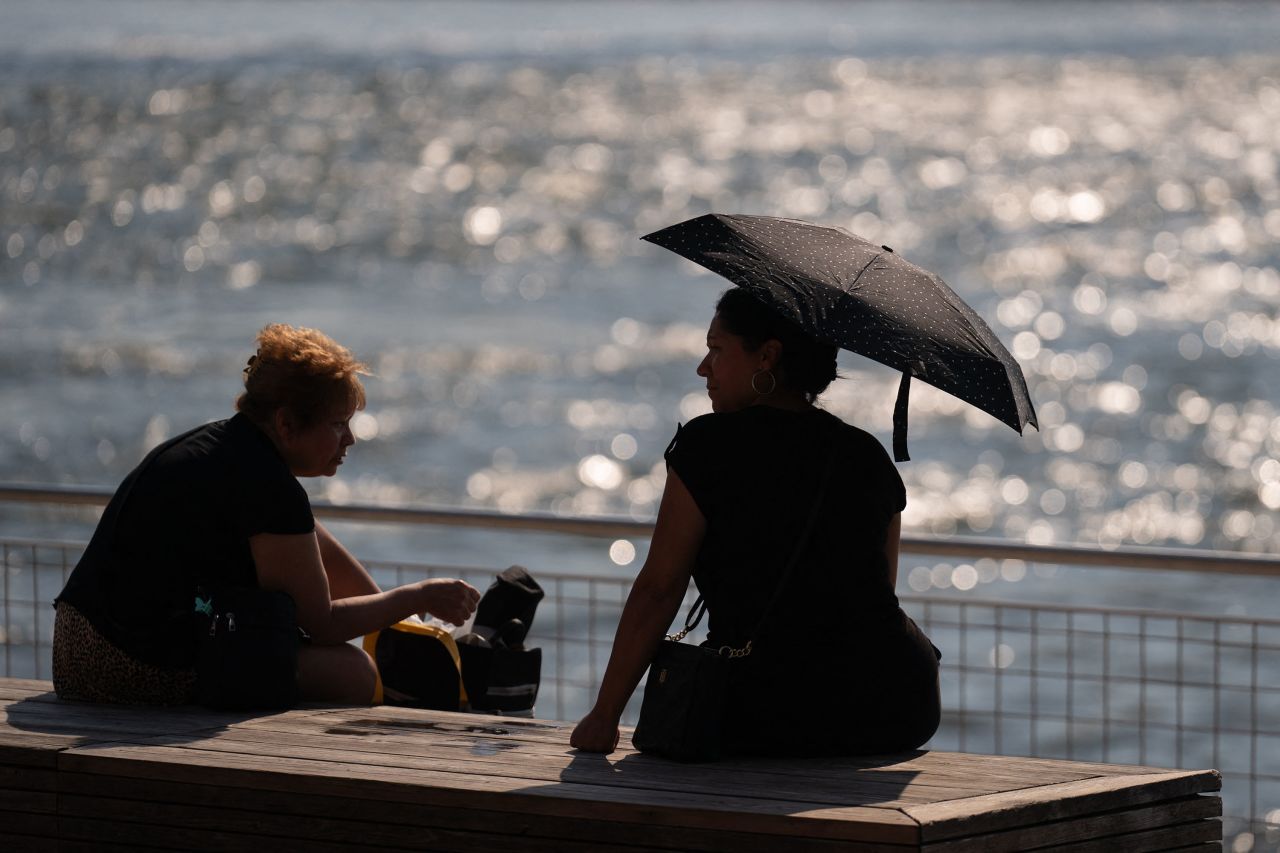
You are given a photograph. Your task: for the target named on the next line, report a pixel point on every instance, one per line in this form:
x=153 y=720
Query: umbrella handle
x=900 y=419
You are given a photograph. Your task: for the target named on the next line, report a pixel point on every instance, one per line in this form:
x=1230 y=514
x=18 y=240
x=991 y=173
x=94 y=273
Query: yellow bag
x=418 y=665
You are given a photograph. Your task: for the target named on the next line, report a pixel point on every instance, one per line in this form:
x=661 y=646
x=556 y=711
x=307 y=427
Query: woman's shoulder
x=695 y=433
x=229 y=449
x=868 y=456
x=195 y=443
x=857 y=436
x=814 y=429
x=719 y=427
x=862 y=448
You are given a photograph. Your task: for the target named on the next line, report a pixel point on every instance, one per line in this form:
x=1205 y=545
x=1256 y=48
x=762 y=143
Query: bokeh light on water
x=468 y=224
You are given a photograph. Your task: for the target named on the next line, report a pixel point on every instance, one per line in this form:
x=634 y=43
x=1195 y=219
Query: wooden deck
x=322 y=778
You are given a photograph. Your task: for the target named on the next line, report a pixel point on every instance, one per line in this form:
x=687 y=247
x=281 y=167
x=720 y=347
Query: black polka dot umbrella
x=864 y=298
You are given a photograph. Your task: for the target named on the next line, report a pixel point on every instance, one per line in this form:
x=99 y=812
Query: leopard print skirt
x=89 y=668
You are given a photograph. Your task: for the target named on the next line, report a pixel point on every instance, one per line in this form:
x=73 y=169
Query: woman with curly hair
x=221 y=506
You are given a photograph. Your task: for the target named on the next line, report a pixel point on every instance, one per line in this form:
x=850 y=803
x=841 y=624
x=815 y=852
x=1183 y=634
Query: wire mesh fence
x=1056 y=681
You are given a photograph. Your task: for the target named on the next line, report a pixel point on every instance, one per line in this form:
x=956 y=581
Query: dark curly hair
x=806 y=365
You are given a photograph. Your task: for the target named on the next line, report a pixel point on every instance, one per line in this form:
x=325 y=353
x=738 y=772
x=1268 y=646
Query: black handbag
x=684 y=696
x=246 y=649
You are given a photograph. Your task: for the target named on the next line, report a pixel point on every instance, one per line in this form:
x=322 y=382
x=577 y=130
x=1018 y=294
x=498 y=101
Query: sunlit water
x=456 y=192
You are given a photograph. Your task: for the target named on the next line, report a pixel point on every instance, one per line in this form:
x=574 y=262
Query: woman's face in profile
x=728 y=368
x=317 y=450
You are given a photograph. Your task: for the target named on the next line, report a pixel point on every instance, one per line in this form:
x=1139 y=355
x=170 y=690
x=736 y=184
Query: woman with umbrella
x=743 y=483
x=788 y=519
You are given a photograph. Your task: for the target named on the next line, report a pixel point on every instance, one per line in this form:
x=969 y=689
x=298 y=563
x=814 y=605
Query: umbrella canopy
x=862 y=297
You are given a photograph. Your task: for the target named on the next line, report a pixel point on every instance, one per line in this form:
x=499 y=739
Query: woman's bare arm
x=347 y=577
x=293 y=564
x=891 y=542
x=652 y=604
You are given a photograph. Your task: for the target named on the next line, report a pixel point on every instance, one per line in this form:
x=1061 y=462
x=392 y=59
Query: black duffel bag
x=500 y=674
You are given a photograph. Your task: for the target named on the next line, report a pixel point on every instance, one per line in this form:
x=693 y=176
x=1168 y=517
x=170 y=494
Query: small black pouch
x=506 y=610
x=246 y=649
x=499 y=678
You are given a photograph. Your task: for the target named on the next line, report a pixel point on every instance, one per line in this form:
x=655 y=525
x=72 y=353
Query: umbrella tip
x=886 y=248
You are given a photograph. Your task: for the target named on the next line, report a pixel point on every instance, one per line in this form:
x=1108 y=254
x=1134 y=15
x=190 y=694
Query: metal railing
x=960 y=547
x=1051 y=680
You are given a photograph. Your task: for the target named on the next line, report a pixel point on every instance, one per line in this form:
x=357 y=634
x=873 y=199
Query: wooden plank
x=10 y=693
x=425 y=785
x=216 y=837
x=47 y=708
x=566 y=799
x=140 y=836
x=1044 y=767
x=27 y=778
x=1198 y=808
x=26 y=685
x=28 y=802
x=1205 y=835
x=66 y=846
x=387 y=718
x=570 y=768
x=634 y=772
x=92 y=720
x=966 y=778
x=441 y=829
x=11 y=839
x=966 y=775
x=302 y=808
x=42 y=824
x=32 y=749
x=554 y=732
x=939 y=821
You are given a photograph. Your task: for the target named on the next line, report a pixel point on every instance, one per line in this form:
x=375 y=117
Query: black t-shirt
x=837 y=639
x=754 y=474
x=183 y=518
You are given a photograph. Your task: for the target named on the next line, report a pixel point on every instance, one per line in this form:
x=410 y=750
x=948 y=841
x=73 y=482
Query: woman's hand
x=452 y=600
x=596 y=733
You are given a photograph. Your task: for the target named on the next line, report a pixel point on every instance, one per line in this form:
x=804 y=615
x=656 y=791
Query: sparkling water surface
x=455 y=191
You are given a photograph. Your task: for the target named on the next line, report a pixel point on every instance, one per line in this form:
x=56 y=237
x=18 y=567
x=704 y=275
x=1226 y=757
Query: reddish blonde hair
x=300 y=370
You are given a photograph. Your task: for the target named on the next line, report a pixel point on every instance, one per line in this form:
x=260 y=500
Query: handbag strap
x=700 y=606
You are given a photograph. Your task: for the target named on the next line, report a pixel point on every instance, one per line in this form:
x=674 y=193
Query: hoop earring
x=773 y=382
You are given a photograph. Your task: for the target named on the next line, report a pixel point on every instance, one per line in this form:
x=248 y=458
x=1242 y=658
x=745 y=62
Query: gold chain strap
x=724 y=651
